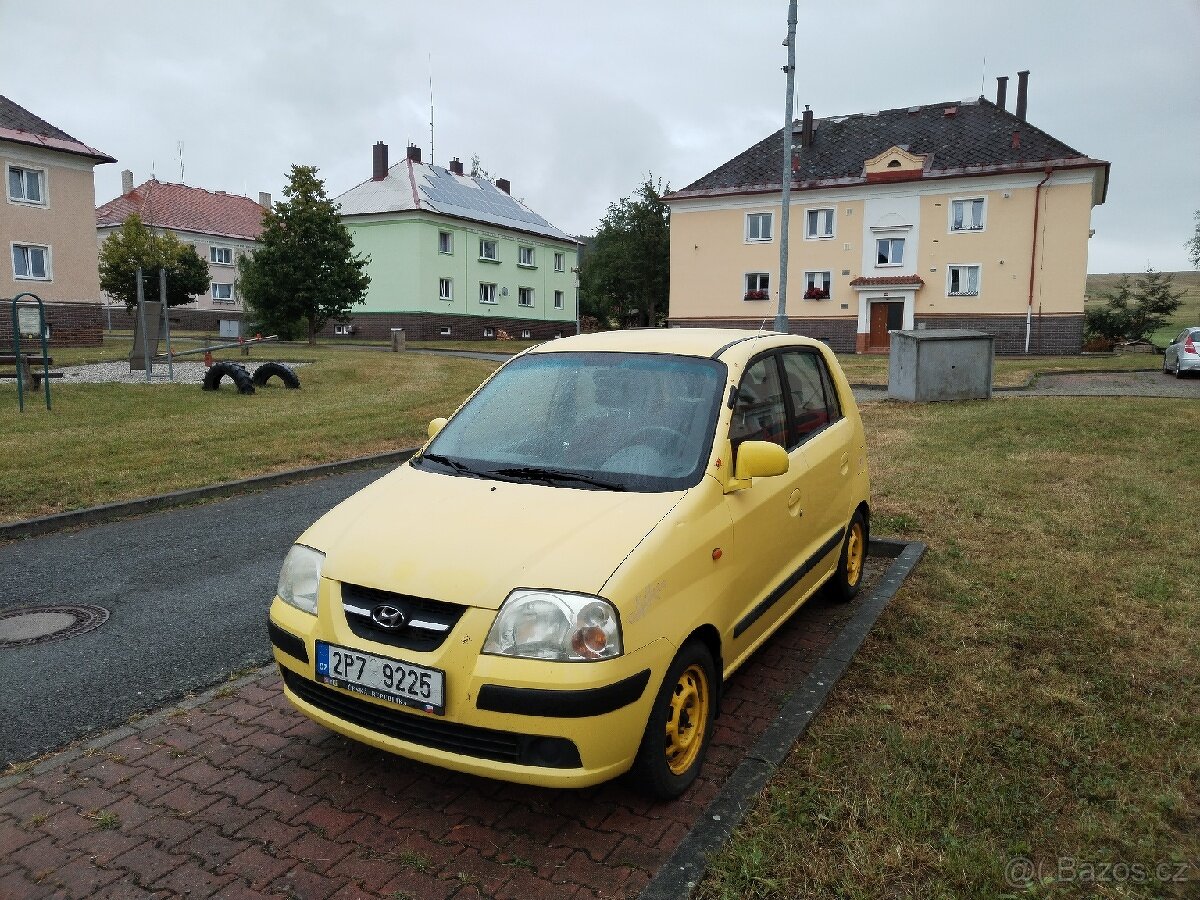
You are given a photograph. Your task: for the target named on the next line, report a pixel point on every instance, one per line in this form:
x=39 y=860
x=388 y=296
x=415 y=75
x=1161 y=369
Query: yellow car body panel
x=726 y=560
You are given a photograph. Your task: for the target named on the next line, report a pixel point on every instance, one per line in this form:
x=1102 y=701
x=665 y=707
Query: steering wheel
x=658 y=437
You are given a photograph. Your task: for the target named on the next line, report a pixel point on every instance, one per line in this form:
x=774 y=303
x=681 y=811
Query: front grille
x=469 y=740
x=430 y=621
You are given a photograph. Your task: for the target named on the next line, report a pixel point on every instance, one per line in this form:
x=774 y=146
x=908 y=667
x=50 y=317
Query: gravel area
x=118 y=373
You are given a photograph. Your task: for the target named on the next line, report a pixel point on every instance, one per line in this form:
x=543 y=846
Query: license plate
x=382 y=678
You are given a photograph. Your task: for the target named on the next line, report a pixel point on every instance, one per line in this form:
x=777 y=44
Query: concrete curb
x=111 y=512
x=683 y=869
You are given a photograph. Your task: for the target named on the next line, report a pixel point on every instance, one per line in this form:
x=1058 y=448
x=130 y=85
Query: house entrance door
x=885 y=316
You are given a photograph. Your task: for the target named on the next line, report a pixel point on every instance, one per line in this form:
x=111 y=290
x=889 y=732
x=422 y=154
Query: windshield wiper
x=452 y=463
x=554 y=475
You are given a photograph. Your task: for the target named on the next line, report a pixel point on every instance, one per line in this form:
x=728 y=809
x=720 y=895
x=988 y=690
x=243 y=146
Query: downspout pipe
x=1037 y=208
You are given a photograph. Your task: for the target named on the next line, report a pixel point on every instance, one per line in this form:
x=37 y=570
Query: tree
x=625 y=275
x=1134 y=310
x=134 y=246
x=1193 y=246
x=304 y=272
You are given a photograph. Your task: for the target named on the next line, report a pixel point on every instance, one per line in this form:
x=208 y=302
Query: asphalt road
x=187 y=591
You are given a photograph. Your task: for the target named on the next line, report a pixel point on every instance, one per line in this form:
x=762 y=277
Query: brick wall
x=1051 y=335
x=207 y=320
x=837 y=333
x=71 y=325
x=428 y=327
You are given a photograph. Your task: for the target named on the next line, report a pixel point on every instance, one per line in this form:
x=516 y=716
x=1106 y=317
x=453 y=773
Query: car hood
x=472 y=540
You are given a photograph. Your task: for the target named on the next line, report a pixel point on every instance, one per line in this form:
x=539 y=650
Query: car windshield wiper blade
x=452 y=463
x=555 y=475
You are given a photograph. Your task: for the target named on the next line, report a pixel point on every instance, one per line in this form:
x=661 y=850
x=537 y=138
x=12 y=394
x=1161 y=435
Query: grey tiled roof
x=21 y=126
x=976 y=138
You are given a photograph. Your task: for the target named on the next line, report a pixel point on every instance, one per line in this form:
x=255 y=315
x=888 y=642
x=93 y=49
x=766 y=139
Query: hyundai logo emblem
x=389 y=617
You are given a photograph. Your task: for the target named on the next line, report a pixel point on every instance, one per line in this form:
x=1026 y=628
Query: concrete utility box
x=941 y=364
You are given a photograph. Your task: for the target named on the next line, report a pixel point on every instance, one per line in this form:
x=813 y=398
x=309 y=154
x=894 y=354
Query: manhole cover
x=41 y=624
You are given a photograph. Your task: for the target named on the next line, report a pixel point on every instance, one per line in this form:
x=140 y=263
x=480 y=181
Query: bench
x=25 y=363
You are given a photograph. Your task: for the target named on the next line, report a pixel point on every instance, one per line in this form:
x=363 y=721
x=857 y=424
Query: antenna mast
x=431 y=156
x=179 y=147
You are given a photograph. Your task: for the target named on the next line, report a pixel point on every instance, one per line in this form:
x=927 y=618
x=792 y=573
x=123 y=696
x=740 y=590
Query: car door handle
x=794 y=503
x=845 y=467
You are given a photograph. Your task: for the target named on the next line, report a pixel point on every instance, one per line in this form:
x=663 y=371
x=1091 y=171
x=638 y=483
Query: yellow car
x=553 y=589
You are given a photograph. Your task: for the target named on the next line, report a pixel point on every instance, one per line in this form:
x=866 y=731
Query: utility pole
x=781 y=319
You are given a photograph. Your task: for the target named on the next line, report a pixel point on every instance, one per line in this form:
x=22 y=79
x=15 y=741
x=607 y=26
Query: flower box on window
x=816 y=293
x=757 y=295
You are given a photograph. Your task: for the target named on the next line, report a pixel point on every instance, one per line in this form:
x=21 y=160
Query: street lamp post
x=781 y=319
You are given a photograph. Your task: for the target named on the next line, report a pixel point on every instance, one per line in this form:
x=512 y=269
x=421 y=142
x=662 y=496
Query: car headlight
x=554 y=625
x=299 y=577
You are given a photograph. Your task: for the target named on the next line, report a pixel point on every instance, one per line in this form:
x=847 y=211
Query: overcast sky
x=576 y=103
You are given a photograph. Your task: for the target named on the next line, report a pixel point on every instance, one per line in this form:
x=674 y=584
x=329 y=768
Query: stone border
x=110 y=512
x=681 y=872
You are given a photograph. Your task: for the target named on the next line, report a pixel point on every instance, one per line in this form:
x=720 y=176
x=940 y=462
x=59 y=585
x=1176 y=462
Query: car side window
x=810 y=389
x=760 y=413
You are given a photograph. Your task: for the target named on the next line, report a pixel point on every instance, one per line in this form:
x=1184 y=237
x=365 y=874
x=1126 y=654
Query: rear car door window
x=813 y=401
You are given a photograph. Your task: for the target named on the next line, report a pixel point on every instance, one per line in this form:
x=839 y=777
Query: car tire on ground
x=285 y=373
x=846 y=581
x=236 y=373
x=679 y=729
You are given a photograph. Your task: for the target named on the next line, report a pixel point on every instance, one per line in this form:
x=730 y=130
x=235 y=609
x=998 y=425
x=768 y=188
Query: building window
x=526 y=334
x=560 y=262
x=759 y=227
x=818 y=223
x=31 y=262
x=221 y=292
x=524 y=296
x=489 y=332
x=758 y=286
x=26 y=185
x=445 y=331
x=343 y=329
x=445 y=242
x=487 y=292
x=817 y=285
x=962 y=281
x=445 y=289
x=966 y=215
x=889 y=252
x=488 y=250
x=559 y=299
x=525 y=257
x=221 y=256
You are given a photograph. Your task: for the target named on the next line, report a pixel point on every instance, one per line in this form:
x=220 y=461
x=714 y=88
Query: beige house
x=951 y=215
x=47 y=223
x=221 y=226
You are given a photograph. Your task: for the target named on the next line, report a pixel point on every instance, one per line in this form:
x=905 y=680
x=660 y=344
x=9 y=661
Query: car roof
x=703 y=342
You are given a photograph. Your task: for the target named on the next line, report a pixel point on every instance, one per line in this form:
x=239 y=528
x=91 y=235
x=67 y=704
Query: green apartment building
x=455 y=257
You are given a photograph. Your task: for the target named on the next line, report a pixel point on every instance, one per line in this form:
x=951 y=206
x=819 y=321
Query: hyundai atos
x=555 y=587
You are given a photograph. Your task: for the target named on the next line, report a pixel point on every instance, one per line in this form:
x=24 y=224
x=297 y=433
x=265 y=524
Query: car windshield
x=616 y=421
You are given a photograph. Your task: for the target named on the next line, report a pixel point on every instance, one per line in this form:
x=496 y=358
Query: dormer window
x=894 y=164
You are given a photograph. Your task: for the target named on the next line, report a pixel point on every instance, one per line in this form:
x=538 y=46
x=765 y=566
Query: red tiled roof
x=889 y=281
x=182 y=208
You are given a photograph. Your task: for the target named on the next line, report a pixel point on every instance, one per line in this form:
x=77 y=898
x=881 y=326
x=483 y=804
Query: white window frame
x=560 y=262
x=215 y=251
x=446 y=242
x=489 y=332
x=965 y=269
x=523 y=292
x=831 y=220
x=47 y=261
x=343 y=329
x=486 y=244
x=23 y=200
x=221 y=284
x=754 y=282
x=524 y=252
x=445 y=288
x=526 y=334
x=824 y=276
x=966 y=229
x=444 y=331
x=560 y=299
x=759 y=218
x=487 y=293
x=890 y=240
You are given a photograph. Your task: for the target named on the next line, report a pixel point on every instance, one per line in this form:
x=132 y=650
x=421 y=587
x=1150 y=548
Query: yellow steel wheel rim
x=687 y=719
x=855 y=548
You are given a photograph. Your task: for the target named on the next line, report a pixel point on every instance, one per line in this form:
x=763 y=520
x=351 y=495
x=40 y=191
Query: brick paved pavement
x=237 y=795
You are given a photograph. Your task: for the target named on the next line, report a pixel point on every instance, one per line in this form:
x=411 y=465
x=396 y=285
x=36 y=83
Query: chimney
x=264 y=199
x=1001 y=90
x=126 y=181
x=414 y=153
x=503 y=184
x=1022 y=93
x=806 y=131
x=379 y=161
x=456 y=166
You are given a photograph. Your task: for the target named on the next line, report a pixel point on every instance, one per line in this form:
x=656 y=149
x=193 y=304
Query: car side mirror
x=760 y=459
x=435 y=425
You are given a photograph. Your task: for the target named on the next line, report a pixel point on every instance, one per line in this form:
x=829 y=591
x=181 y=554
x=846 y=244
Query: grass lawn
x=1189 y=306
x=1009 y=371
x=1031 y=691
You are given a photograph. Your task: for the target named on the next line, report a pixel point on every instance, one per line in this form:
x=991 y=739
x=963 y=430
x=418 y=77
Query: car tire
x=679 y=729
x=285 y=373
x=848 y=578
x=1166 y=371
x=236 y=373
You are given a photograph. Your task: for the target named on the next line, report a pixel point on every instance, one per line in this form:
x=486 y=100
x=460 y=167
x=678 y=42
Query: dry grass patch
x=1031 y=691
